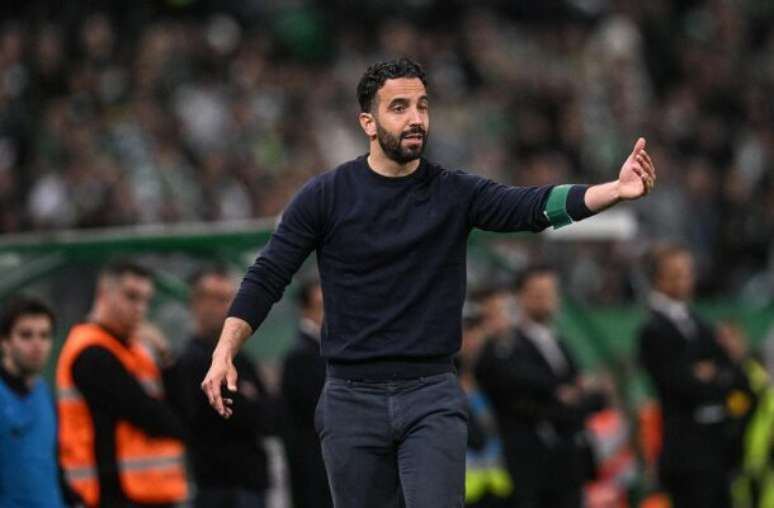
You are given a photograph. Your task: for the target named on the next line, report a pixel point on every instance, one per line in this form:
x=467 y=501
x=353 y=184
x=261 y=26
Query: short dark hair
x=20 y=307
x=661 y=252
x=531 y=272
x=375 y=76
x=119 y=267
x=211 y=269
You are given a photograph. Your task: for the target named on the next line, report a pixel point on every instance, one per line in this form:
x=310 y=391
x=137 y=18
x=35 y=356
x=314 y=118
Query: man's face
x=539 y=297
x=401 y=119
x=210 y=301
x=676 y=277
x=127 y=298
x=28 y=345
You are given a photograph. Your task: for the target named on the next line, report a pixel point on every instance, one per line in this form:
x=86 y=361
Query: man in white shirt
x=695 y=381
x=533 y=383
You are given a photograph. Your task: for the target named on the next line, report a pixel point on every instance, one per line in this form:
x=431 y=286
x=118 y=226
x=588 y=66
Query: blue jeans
x=392 y=444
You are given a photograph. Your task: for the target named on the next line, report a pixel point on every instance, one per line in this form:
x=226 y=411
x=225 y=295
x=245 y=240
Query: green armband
x=556 y=206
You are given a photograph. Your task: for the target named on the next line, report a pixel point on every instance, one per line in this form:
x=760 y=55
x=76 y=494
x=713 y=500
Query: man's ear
x=368 y=123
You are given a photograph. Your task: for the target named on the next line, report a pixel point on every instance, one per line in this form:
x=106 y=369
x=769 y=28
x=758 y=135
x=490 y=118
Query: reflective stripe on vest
x=151 y=470
x=152 y=463
x=76 y=474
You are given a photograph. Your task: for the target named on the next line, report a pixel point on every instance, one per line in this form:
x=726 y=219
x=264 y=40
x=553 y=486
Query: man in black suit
x=700 y=388
x=533 y=383
x=303 y=376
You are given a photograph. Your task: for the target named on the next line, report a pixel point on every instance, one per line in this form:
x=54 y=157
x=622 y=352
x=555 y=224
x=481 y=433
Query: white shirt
x=676 y=311
x=545 y=341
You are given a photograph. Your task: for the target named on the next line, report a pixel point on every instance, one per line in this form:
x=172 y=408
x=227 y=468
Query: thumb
x=639 y=146
x=231 y=379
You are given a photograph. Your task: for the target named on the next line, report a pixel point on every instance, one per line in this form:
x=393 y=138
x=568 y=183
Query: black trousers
x=394 y=443
x=542 y=477
x=707 y=489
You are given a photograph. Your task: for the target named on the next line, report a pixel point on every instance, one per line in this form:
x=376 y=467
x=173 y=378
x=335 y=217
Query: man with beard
x=390 y=231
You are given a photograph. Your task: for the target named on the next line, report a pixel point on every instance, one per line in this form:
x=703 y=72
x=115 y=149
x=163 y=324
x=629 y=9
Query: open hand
x=638 y=174
x=222 y=371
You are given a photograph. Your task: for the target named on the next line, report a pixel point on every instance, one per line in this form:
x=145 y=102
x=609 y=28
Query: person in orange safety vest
x=120 y=442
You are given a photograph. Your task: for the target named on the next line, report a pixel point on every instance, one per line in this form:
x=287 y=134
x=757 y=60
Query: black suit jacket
x=542 y=436
x=698 y=434
x=303 y=376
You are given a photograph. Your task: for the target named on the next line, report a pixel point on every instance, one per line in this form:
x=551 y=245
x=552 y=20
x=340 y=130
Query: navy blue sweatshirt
x=391 y=256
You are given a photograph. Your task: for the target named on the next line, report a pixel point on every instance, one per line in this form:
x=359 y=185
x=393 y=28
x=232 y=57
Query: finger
x=649 y=184
x=228 y=402
x=650 y=168
x=637 y=168
x=231 y=380
x=645 y=154
x=646 y=163
x=639 y=146
x=213 y=394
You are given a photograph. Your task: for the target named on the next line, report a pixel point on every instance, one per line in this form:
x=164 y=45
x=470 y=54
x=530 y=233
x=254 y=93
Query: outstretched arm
x=636 y=179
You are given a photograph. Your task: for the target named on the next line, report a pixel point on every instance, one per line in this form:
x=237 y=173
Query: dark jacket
x=698 y=433
x=303 y=376
x=536 y=426
x=226 y=453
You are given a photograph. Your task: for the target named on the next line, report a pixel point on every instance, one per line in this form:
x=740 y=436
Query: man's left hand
x=638 y=174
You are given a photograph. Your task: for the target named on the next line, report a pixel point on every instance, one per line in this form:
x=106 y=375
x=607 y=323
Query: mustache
x=414 y=130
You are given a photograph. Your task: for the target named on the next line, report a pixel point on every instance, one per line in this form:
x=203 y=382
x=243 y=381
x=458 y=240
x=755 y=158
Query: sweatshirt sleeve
x=504 y=208
x=296 y=236
x=107 y=385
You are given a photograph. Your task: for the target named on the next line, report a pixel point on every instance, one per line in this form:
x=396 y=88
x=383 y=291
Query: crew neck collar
x=393 y=180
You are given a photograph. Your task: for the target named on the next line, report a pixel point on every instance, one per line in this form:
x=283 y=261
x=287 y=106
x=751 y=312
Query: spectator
x=29 y=474
x=697 y=383
x=487 y=484
x=120 y=441
x=303 y=375
x=229 y=461
x=534 y=385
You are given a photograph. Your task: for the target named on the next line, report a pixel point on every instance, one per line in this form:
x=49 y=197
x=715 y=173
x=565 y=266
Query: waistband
x=385 y=369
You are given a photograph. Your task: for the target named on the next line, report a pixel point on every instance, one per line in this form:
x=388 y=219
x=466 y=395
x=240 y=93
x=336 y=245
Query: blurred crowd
x=166 y=112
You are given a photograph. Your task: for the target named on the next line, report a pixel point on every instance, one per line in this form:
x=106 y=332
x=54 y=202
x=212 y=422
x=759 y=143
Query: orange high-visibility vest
x=150 y=470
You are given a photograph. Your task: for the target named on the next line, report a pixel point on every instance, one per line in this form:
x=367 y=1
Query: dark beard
x=392 y=148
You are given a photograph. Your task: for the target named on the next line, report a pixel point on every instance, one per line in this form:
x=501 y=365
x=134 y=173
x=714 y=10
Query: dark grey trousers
x=392 y=444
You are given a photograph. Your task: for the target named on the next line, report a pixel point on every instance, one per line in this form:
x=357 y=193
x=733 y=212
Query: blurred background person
x=120 y=441
x=754 y=486
x=29 y=472
x=228 y=458
x=487 y=483
x=702 y=389
x=303 y=375
x=533 y=382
